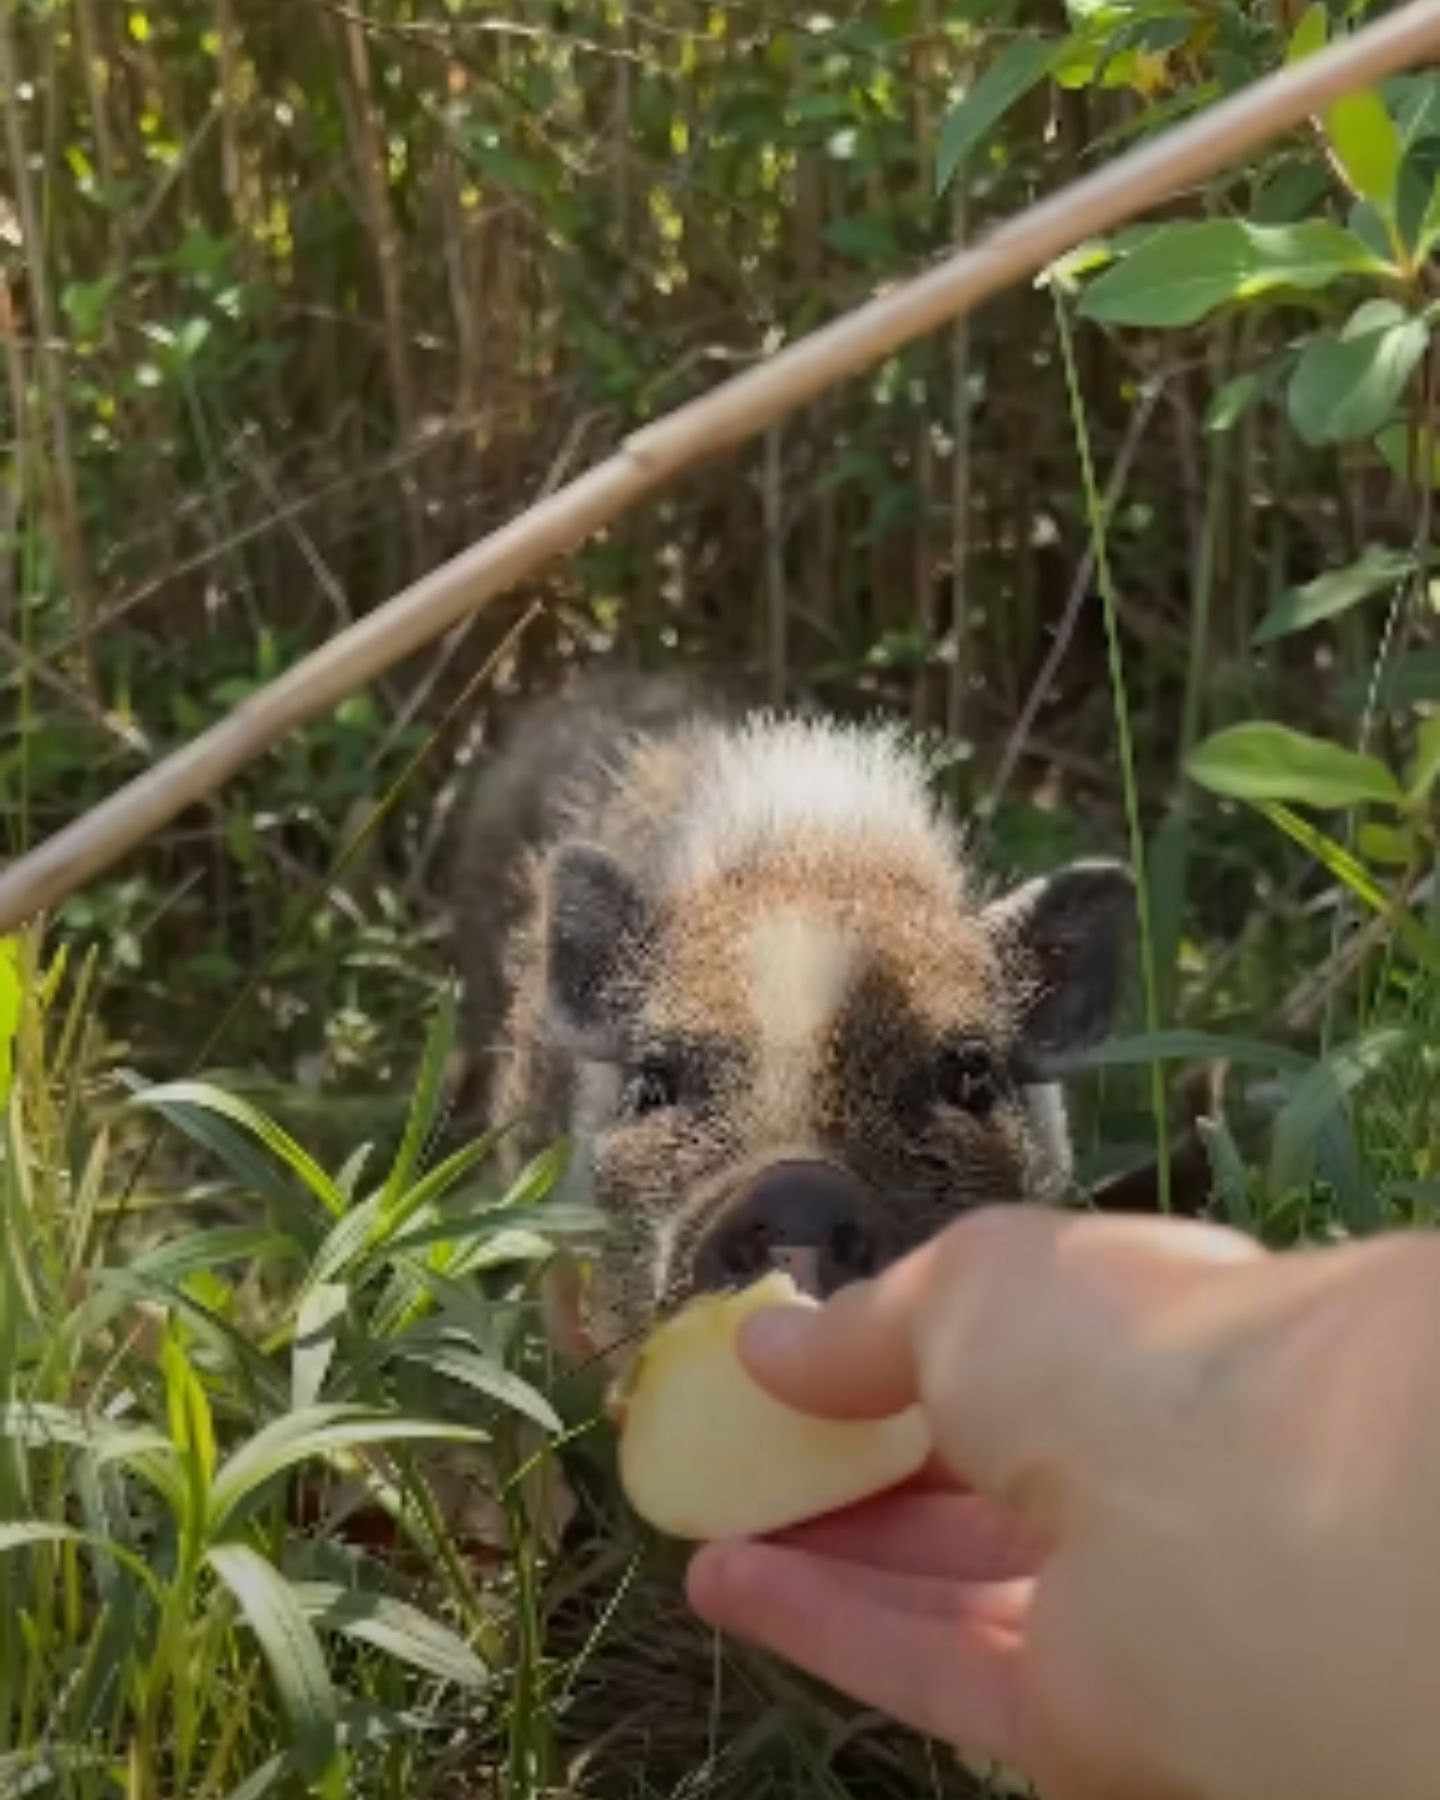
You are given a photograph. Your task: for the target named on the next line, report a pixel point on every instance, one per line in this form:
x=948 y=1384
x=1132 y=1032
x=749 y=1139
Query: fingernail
x=772 y=1335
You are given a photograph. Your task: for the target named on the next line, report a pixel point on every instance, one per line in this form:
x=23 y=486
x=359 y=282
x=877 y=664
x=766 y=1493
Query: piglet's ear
x=1064 y=940
x=596 y=917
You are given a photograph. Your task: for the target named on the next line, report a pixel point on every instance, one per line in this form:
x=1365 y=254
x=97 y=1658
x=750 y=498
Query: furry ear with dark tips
x=596 y=915
x=1065 y=939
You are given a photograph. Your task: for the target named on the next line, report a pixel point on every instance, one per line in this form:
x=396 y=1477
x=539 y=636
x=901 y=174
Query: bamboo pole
x=738 y=410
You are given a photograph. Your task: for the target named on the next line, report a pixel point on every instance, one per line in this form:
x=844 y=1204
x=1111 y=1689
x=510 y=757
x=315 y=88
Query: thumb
x=1029 y=1336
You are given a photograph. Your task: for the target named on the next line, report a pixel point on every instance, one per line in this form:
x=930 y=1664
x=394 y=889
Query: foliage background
x=297 y=300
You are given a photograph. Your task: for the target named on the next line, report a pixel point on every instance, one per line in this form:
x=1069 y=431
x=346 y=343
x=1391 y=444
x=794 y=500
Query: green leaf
x=1014 y=72
x=1392 y=844
x=316 y=1329
x=237 y=1152
x=402 y=1631
x=1190 y=1046
x=220 y=1244
x=1424 y=768
x=191 y=1426
x=369 y=1228
x=1180 y=274
x=1310 y=34
x=1264 y=761
x=1348 y=387
x=1407 y=457
x=428 y=1100
x=316 y=1431
x=1334 y=592
x=289 y=1642
x=178 y=1097
x=1366 y=145
x=448 y=1355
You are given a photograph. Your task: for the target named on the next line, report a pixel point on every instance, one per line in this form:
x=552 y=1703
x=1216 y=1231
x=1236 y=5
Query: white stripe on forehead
x=799 y=966
x=758 y=789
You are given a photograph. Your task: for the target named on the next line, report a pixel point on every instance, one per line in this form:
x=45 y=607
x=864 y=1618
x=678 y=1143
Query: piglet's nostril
x=809 y=1218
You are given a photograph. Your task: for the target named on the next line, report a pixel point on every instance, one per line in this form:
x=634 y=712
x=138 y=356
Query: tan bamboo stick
x=732 y=414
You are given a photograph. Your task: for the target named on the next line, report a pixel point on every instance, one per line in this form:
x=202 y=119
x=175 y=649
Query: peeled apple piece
x=706 y=1453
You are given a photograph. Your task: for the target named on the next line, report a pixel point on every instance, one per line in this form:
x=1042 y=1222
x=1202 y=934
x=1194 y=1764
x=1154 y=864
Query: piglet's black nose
x=807 y=1217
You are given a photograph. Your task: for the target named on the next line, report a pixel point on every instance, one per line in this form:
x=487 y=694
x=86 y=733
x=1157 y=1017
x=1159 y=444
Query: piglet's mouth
x=801 y=1262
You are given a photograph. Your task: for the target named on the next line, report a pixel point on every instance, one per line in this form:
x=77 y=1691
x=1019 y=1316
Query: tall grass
x=224 y=1395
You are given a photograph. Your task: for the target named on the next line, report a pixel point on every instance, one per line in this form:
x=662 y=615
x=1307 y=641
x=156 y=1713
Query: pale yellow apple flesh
x=706 y=1453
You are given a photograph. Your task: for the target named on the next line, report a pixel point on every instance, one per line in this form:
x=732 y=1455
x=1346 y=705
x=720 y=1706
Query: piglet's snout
x=810 y=1218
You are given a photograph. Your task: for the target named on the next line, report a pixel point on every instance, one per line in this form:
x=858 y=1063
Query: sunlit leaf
x=1185 y=271
x=1310 y=35
x=11 y=1001
x=1366 y=144
x=191 y=1425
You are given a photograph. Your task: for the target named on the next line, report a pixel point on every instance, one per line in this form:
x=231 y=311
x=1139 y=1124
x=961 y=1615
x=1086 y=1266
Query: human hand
x=1204 y=1486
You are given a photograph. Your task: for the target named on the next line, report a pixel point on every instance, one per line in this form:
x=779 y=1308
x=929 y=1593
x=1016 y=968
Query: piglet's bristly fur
x=741 y=962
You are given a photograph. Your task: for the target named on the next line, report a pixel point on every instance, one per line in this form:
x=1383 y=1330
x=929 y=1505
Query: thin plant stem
x=1095 y=514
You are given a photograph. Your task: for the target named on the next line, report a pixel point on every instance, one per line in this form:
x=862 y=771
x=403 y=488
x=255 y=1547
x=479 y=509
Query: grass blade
x=179 y=1101
x=428 y=1099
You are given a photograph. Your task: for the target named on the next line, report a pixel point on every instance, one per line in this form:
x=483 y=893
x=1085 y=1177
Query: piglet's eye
x=967 y=1077
x=653 y=1087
